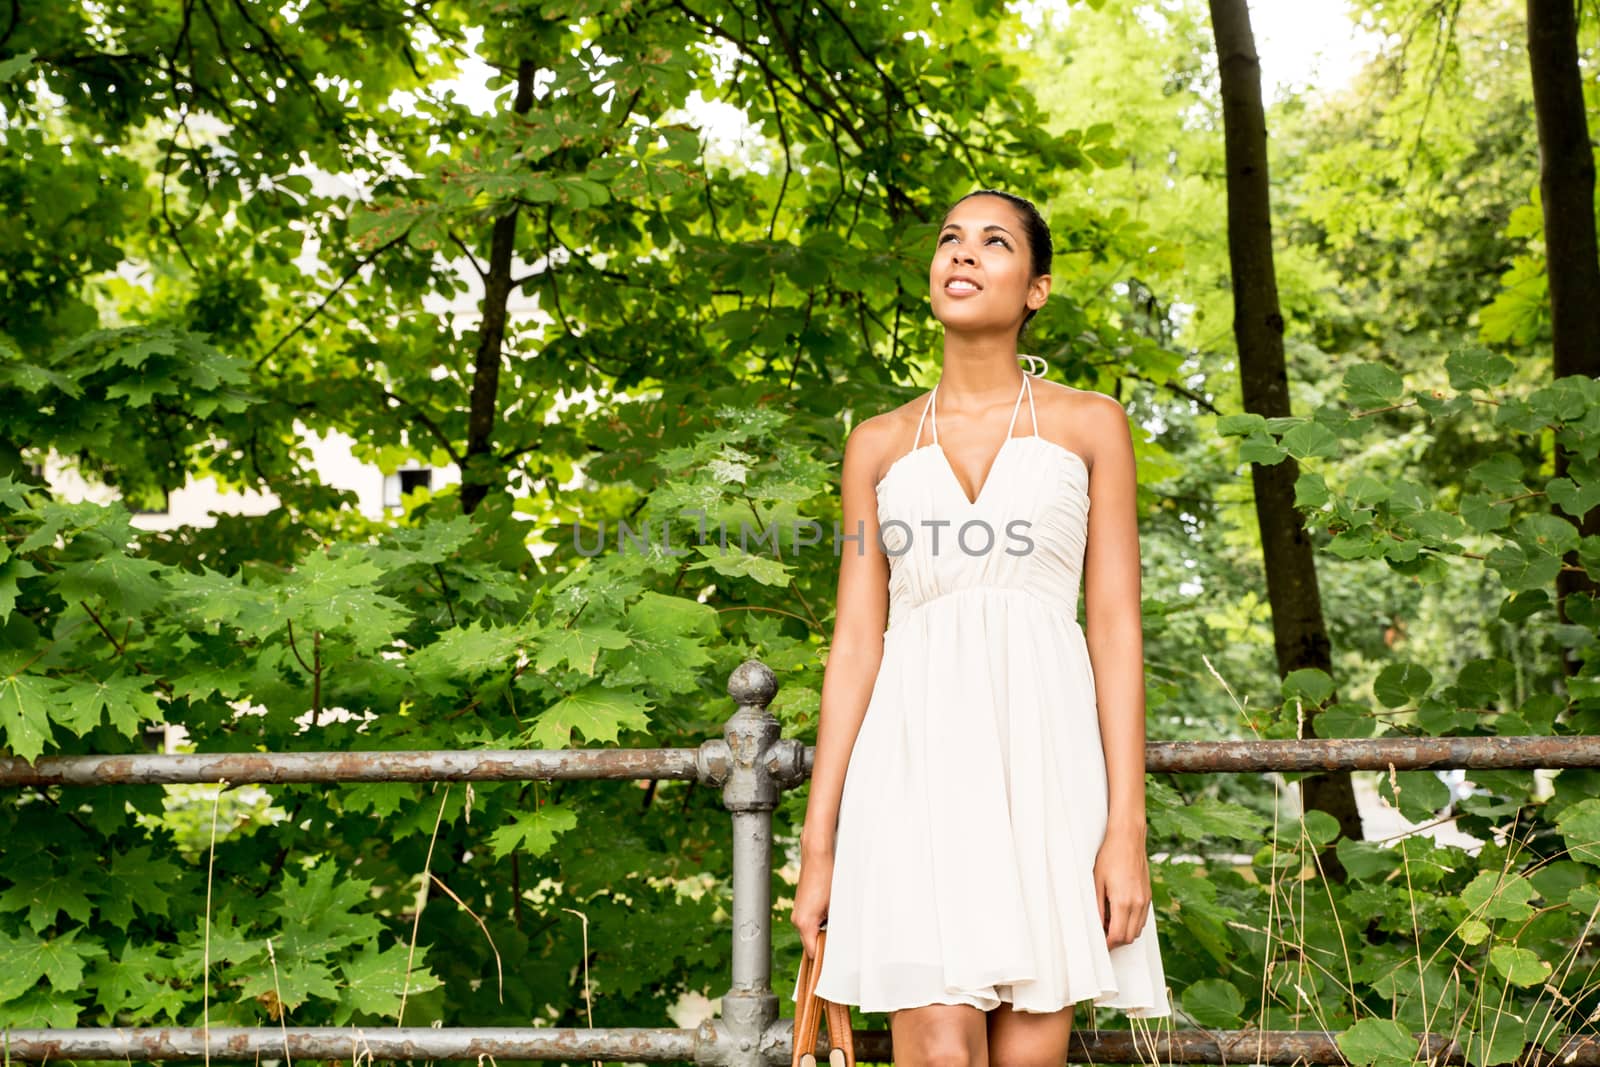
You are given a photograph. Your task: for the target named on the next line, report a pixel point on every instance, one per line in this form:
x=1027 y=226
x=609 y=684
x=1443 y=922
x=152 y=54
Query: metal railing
x=751 y=763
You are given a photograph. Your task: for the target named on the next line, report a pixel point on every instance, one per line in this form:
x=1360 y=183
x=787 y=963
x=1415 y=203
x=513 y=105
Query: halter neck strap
x=1028 y=375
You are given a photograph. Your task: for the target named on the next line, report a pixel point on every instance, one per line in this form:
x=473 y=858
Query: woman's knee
x=939 y=1035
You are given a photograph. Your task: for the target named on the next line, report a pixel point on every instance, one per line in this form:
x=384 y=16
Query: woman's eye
x=995 y=237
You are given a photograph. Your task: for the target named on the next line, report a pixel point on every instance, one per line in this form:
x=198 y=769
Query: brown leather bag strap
x=808 y=1010
x=841 y=1041
x=809 y=1014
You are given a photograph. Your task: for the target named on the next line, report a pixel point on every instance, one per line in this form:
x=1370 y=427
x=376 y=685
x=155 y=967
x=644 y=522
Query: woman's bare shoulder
x=1078 y=419
x=885 y=437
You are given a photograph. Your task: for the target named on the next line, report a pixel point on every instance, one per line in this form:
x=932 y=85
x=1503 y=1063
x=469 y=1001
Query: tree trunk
x=478 y=470
x=1566 y=189
x=1300 y=637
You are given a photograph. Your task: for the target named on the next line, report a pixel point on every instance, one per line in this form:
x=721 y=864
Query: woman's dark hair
x=1038 y=231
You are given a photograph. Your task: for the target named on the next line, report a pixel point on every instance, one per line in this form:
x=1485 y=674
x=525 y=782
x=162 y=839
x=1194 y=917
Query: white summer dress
x=975 y=800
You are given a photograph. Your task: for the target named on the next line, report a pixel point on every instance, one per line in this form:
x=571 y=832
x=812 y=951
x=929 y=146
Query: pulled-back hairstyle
x=1038 y=231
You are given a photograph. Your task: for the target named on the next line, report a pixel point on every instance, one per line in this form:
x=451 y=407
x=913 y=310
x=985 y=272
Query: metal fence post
x=750 y=791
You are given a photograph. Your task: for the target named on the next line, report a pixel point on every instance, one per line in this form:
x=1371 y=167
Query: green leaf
x=1569 y=497
x=1400 y=684
x=80 y=705
x=12 y=573
x=142 y=880
x=734 y=562
x=1259 y=447
x=44 y=894
x=598 y=713
x=1310 y=491
x=1550 y=533
x=1499 y=895
x=1365 y=491
x=126 y=583
x=14 y=66
x=1379 y=1042
x=1208 y=817
x=25 y=700
x=1366 y=860
x=1213 y=1002
x=375 y=981
x=1370 y=385
x=1310 y=684
x=136 y=982
x=27 y=958
x=465 y=652
x=286 y=979
x=1520 y=966
x=1503 y=1032
x=1346 y=720
x=225 y=939
x=1320 y=827
x=330 y=593
x=1477 y=368
x=1580 y=827
x=1241 y=425
x=1311 y=439
x=533 y=832
x=39 y=1009
x=322 y=914
x=577 y=646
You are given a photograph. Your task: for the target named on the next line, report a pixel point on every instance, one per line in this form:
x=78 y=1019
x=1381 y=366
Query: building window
x=398 y=484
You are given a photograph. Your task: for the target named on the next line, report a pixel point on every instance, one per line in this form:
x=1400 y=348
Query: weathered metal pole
x=751 y=793
x=750 y=790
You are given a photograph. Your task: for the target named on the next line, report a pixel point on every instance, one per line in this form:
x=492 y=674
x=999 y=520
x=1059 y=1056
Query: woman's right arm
x=854 y=655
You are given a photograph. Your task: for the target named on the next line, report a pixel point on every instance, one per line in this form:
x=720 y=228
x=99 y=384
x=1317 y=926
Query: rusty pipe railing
x=751 y=763
x=520 y=765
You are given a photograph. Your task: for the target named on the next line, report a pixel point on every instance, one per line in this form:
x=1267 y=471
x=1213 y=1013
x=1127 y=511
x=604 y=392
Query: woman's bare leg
x=940 y=1035
x=1028 y=1039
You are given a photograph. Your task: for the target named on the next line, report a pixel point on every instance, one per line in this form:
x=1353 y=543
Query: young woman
x=975 y=834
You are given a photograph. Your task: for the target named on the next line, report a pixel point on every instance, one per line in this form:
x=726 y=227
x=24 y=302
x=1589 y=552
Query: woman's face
x=982 y=242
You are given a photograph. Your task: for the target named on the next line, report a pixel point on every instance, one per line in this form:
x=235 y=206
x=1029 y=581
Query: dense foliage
x=186 y=294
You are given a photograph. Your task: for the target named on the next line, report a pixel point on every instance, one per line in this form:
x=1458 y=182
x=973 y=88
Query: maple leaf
x=38 y=889
x=124 y=699
x=663 y=660
x=27 y=958
x=319 y=915
x=39 y=1010
x=287 y=981
x=229 y=941
x=579 y=646
x=142 y=880
x=599 y=713
x=127 y=583
x=12 y=571
x=533 y=831
x=463 y=652
x=139 y=975
x=330 y=593
x=23 y=718
x=374 y=981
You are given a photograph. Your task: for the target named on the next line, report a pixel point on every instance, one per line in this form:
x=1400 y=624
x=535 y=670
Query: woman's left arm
x=1115 y=636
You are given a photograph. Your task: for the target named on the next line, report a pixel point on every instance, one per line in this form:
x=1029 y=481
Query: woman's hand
x=1122 y=885
x=811 y=895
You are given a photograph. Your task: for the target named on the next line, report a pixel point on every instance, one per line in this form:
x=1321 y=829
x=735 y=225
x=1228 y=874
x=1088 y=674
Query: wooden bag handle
x=808 y=1017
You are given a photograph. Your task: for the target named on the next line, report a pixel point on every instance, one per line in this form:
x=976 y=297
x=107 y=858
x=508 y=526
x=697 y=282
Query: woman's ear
x=1039 y=292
